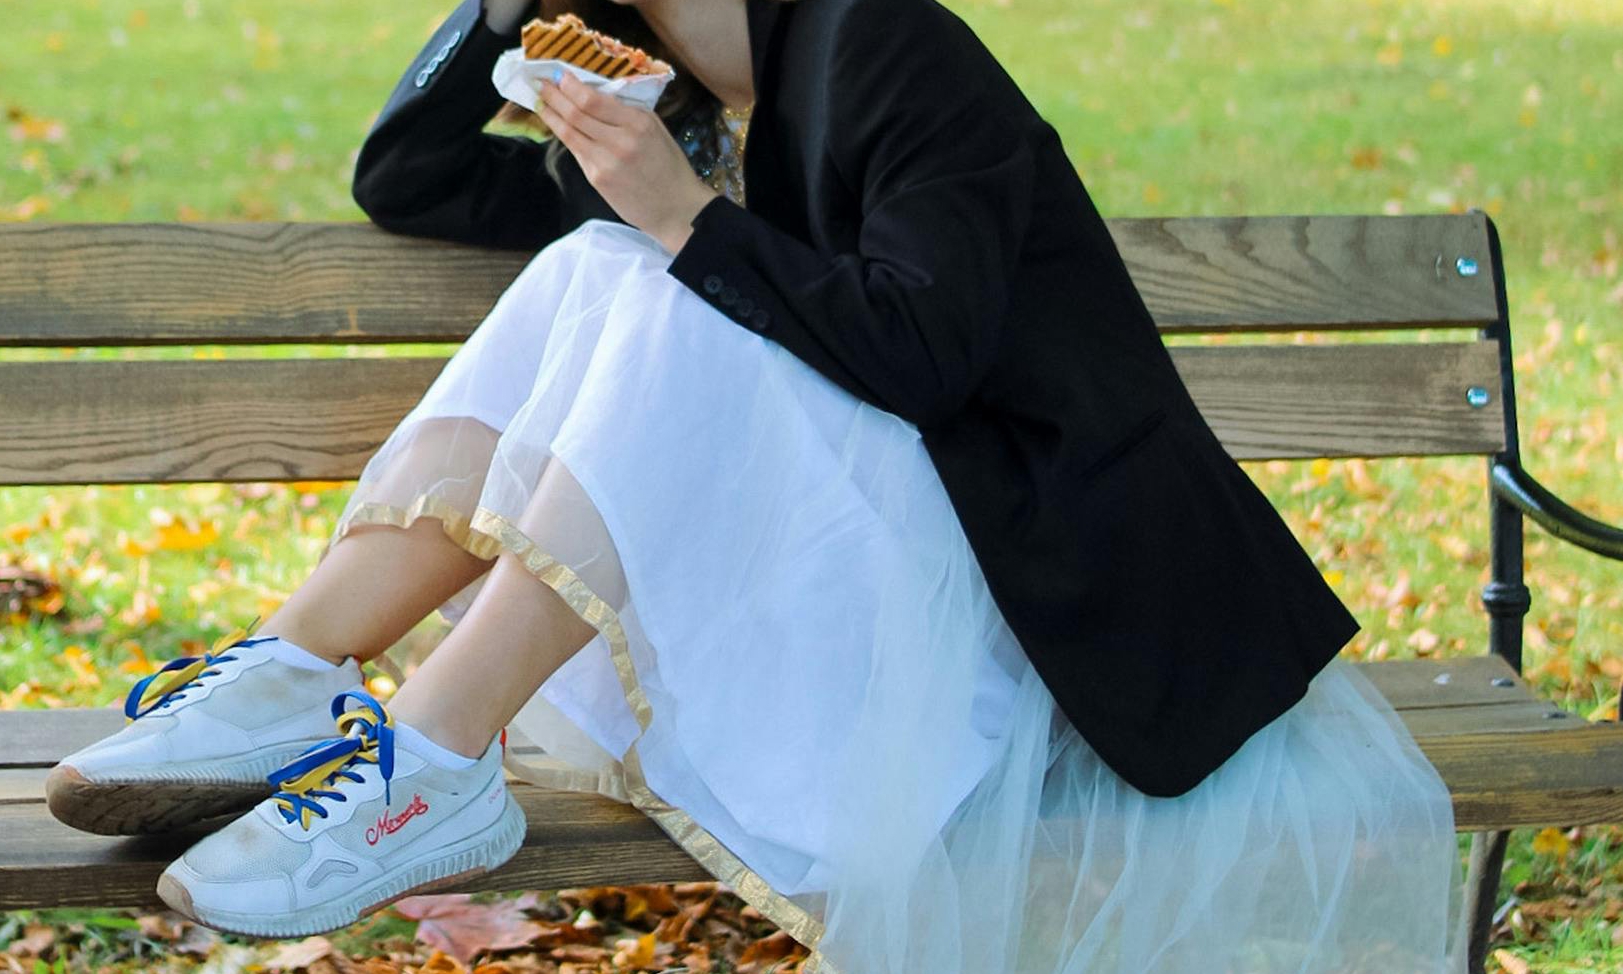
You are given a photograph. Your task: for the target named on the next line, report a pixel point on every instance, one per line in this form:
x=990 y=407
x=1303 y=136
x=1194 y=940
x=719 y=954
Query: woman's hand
x=629 y=158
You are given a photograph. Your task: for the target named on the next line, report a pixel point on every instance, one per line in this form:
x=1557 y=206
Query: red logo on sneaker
x=389 y=826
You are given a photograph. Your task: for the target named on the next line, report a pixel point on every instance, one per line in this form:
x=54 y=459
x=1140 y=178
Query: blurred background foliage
x=124 y=110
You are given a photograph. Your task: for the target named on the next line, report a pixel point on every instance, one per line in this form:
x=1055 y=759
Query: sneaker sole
x=478 y=853
x=142 y=808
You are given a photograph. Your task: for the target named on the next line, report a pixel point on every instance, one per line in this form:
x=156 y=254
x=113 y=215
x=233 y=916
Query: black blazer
x=916 y=233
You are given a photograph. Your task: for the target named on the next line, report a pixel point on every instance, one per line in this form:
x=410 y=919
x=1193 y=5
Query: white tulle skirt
x=799 y=672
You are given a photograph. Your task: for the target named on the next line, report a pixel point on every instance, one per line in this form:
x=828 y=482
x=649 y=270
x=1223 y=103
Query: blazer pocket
x=1113 y=454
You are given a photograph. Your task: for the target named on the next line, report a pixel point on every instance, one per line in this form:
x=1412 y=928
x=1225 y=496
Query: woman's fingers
x=560 y=126
x=585 y=108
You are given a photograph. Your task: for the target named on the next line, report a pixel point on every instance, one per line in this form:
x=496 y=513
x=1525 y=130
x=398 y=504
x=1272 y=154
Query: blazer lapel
x=763 y=18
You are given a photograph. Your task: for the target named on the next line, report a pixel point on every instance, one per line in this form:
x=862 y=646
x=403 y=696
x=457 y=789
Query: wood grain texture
x=1561 y=777
x=1268 y=401
x=40 y=738
x=572 y=840
x=1571 y=775
x=1283 y=273
x=1507 y=763
x=204 y=283
x=225 y=420
x=321 y=419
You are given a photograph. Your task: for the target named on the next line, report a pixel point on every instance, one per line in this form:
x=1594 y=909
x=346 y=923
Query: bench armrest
x=1516 y=486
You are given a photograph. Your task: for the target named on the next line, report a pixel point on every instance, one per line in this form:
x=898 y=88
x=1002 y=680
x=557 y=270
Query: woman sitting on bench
x=834 y=502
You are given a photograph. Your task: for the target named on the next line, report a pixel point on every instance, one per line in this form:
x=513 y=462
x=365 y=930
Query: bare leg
x=518 y=631
x=378 y=580
x=375 y=584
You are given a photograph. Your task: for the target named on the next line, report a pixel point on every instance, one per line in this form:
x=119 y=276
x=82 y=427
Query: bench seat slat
x=347 y=282
x=40 y=738
x=1498 y=780
x=1506 y=764
x=573 y=840
x=21 y=783
x=235 y=419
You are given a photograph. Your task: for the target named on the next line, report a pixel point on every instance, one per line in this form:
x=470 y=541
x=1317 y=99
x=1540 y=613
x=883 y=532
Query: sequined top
x=714 y=142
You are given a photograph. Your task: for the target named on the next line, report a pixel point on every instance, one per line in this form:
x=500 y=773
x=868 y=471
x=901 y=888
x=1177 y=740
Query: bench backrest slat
x=320 y=419
x=203 y=283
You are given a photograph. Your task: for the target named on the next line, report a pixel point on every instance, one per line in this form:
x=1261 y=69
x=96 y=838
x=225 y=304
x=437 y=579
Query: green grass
x=253 y=110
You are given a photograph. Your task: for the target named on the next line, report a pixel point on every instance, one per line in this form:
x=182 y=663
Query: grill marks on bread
x=567 y=38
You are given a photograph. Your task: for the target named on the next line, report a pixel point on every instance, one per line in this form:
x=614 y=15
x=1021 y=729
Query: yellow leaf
x=54 y=42
x=130 y=546
x=637 y=953
x=1442 y=46
x=138 y=663
x=84 y=668
x=33 y=127
x=1333 y=576
x=17 y=533
x=316 y=486
x=1552 y=842
x=138 y=19
x=184 y=537
x=1152 y=193
x=1320 y=469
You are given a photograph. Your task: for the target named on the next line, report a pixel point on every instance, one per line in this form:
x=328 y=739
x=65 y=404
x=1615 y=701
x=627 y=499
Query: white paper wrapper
x=519 y=80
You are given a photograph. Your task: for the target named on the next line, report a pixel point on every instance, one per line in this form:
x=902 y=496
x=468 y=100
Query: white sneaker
x=203 y=733
x=361 y=821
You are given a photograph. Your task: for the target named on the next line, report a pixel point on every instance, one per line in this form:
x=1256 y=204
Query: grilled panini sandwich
x=567 y=38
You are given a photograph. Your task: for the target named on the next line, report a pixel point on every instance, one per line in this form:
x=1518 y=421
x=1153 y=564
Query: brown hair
x=683 y=95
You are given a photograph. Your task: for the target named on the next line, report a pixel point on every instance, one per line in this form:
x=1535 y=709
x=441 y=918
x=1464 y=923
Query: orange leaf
x=1510 y=962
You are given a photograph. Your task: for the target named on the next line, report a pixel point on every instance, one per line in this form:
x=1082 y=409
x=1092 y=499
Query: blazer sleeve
x=428 y=169
x=921 y=120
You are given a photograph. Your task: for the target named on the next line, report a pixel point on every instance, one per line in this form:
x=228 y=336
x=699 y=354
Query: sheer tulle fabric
x=800 y=675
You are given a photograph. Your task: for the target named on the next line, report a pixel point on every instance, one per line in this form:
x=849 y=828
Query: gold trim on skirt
x=487 y=534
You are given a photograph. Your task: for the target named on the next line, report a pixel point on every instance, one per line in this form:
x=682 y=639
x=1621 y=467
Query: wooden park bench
x=1509 y=759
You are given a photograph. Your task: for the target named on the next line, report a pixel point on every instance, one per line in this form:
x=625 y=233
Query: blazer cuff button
x=760 y=319
x=712 y=284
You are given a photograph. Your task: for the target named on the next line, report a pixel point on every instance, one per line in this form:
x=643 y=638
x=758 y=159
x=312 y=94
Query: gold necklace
x=731 y=175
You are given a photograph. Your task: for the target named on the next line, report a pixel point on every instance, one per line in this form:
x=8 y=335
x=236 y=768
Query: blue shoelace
x=186 y=672
x=367 y=735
